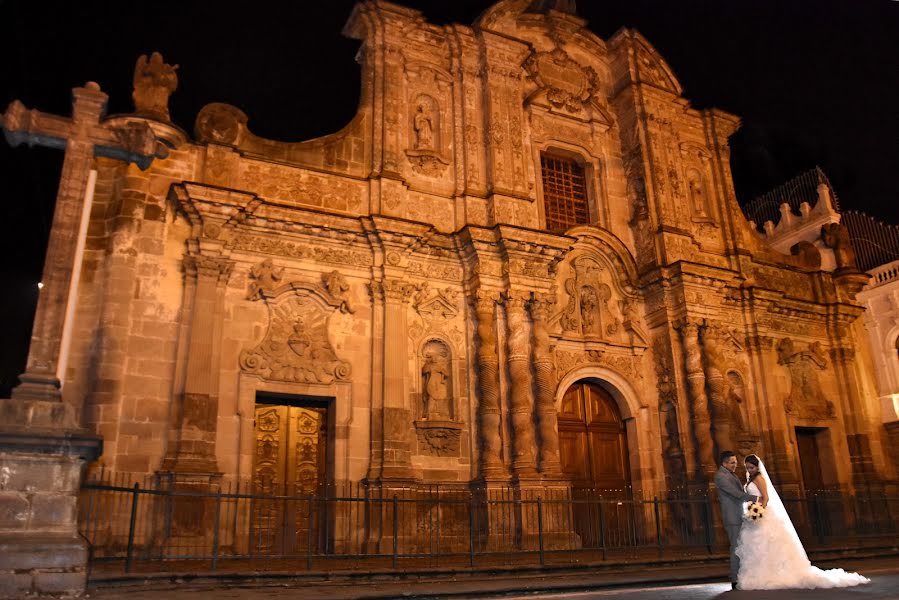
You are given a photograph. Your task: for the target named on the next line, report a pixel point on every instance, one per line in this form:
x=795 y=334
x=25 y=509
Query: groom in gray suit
x=731 y=496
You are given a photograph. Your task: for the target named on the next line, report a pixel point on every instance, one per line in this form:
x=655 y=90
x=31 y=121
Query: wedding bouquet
x=754 y=511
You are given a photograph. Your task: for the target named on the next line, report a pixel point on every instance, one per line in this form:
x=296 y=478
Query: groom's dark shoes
x=733 y=585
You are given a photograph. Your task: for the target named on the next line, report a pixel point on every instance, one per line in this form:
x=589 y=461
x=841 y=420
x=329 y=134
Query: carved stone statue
x=436 y=382
x=836 y=237
x=264 y=277
x=424 y=128
x=698 y=200
x=154 y=82
x=589 y=305
x=338 y=287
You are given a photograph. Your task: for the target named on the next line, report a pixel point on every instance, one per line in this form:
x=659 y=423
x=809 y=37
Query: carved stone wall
x=398 y=269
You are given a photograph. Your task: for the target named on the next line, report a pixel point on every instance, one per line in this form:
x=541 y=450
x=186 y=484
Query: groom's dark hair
x=725 y=455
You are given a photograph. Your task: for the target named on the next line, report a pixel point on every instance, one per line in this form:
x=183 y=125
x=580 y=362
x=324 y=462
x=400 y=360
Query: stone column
x=547 y=421
x=699 y=402
x=489 y=413
x=191 y=464
x=524 y=460
x=396 y=416
x=865 y=477
x=720 y=413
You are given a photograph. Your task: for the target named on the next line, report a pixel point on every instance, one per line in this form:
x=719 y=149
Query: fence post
x=471 y=530
x=309 y=536
x=540 y=530
x=215 y=530
x=655 y=501
x=602 y=529
x=395 y=529
x=709 y=532
x=129 y=559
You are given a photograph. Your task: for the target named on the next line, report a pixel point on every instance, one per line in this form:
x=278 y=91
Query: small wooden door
x=290 y=460
x=594 y=454
x=809 y=459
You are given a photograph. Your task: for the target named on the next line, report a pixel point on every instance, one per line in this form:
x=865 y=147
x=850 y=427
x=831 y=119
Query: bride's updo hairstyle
x=753 y=460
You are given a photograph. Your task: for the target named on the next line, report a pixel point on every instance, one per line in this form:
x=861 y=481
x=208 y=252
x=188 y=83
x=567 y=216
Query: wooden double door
x=594 y=453
x=290 y=461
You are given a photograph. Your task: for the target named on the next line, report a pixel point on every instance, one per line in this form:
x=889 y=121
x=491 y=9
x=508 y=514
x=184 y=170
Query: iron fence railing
x=137 y=528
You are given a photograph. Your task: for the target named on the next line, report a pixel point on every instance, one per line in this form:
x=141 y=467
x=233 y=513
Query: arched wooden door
x=594 y=454
x=593 y=439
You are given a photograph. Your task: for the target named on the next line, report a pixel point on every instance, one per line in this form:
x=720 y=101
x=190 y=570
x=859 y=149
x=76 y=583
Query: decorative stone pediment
x=443 y=305
x=296 y=346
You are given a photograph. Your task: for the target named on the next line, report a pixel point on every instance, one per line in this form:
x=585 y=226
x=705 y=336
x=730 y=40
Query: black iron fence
x=145 y=528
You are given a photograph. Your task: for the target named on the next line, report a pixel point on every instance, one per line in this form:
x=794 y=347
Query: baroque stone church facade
x=522 y=264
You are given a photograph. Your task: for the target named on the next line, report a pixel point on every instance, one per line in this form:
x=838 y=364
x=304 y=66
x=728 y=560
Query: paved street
x=699 y=582
x=884 y=585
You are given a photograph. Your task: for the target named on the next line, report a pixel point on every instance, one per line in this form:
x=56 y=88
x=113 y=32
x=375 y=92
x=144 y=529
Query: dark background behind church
x=815 y=82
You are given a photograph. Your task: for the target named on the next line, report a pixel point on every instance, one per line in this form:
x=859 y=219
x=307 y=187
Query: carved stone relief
x=264 y=277
x=301 y=188
x=278 y=246
x=806 y=399
x=442 y=305
x=628 y=365
x=592 y=307
x=563 y=82
x=339 y=288
x=296 y=346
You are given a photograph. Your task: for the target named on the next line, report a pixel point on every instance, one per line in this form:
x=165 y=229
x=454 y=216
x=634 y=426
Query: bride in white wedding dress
x=771 y=555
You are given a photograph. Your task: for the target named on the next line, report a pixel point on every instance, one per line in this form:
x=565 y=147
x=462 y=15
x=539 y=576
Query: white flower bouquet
x=754 y=511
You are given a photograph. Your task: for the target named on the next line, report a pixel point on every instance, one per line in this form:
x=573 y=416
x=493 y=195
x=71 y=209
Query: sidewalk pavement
x=447 y=583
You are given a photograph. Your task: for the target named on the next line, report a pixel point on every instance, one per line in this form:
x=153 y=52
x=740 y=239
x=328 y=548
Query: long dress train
x=772 y=557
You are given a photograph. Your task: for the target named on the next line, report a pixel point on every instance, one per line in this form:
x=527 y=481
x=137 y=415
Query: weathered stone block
x=15 y=510
x=66 y=582
x=52 y=510
x=26 y=551
x=15 y=585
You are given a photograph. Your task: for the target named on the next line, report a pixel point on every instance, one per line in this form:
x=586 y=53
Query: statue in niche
x=698 y=200
x=264 y=277
x=836 y=237
x=154 y=82
x=806 y=398
x=424 y=155
x=423 y=124
x=436 y=382
x=589 y=304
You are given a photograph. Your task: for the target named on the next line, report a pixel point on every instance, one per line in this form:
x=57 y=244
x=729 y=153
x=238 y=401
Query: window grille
x=564 y=193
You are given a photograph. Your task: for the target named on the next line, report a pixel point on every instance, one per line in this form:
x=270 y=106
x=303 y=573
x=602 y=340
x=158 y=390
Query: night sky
x=816 y=82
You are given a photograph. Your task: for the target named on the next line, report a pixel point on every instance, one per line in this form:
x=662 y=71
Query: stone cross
x=83 y=137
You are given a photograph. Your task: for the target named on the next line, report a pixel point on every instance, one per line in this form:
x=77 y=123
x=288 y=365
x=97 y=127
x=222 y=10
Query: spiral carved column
x=699 y=402
x=721 y=419
x=524 y=460
x=544 y=382
x=488 y=379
